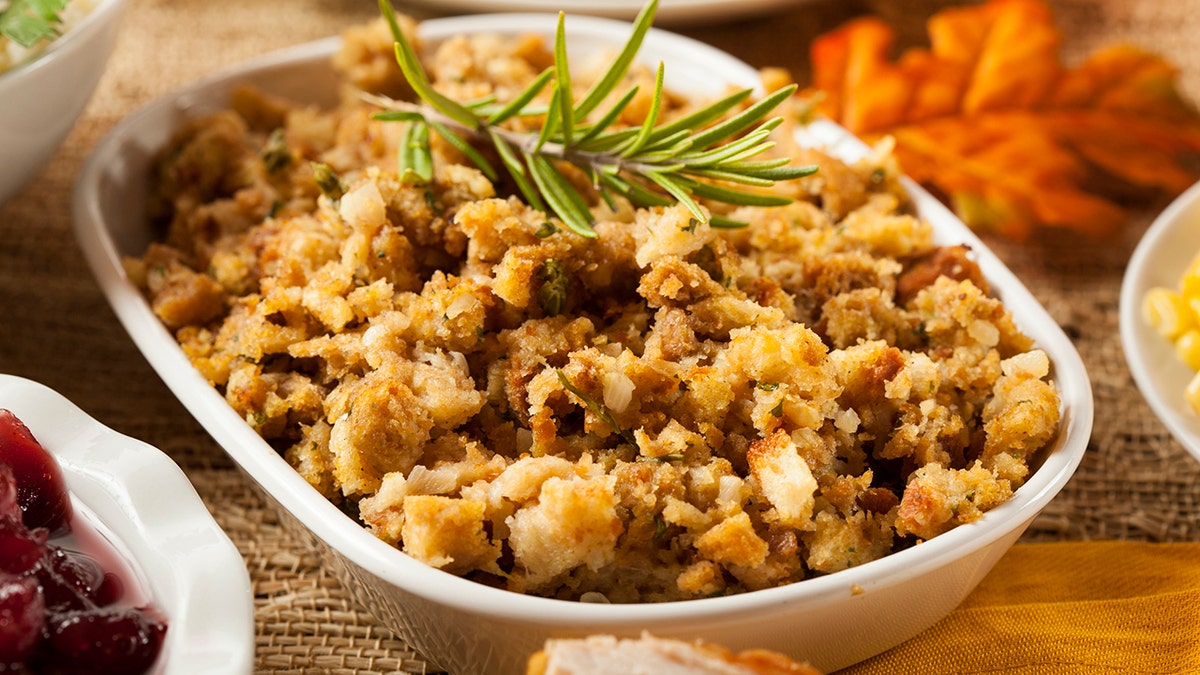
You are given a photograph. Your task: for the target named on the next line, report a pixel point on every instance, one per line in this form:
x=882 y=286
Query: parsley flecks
x=28 y=21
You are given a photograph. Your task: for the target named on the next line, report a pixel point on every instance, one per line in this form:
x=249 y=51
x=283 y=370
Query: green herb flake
x=598 y=409
x=28 y=22
x=777 y=411
x=275 y=153
x=328 y=181
x=547 y=229
x=555 y=283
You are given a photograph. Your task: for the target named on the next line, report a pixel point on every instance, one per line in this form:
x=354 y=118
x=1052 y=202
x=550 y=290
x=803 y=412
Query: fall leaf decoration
x=992 y=120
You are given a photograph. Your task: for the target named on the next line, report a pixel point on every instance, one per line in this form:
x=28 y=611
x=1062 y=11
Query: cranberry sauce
x=68 y=602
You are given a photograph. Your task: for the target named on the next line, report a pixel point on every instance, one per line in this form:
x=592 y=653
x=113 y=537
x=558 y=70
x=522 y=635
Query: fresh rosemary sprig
x=707 y=154
x=28 y=21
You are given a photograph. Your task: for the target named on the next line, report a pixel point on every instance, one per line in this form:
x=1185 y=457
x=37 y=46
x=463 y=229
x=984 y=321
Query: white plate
x=464 y=627
x=1161 y=256
x=669 y=11
x=136 y=495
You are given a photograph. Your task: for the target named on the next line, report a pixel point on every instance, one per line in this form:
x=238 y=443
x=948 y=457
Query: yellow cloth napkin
x=1067 y=609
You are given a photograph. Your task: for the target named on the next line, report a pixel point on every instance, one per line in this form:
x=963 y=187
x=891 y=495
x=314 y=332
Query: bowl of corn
x=1160 y=318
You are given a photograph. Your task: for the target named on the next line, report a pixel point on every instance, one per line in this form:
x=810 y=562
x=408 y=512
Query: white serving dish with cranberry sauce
x=132 y=510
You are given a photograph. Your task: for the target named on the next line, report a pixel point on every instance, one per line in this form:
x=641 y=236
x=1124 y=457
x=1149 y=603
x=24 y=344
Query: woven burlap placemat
x=1134 y=483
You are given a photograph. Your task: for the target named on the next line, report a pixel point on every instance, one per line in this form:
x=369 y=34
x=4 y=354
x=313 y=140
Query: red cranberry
x=74 y=581
x=115 y=640
x=20 y=549
x=21 y=619
x=10 y=507
x=41 y=490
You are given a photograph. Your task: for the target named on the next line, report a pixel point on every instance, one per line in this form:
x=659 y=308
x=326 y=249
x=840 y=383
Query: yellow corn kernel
x=1192 y=393
x=1187 y=347
x=1163 y=310
x=1193 y=306
x=1189 y=287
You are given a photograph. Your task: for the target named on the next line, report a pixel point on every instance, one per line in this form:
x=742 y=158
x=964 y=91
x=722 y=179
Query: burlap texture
x=1135 y=483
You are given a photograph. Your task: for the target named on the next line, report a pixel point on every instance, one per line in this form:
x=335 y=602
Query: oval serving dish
x=465 y=627
x=141 y=502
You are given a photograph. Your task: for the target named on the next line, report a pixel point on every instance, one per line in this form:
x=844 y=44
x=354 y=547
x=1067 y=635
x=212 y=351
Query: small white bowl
x=465 y=627
x=1161 y=257
x=141 y=502
x=41 y=98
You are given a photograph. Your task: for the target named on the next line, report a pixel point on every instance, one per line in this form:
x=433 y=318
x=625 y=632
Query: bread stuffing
x=666 y=411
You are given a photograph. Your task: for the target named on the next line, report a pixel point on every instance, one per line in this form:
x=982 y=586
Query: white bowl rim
x=65 y=42
x=384 y=561
x=145 y=502
x=1170 y=407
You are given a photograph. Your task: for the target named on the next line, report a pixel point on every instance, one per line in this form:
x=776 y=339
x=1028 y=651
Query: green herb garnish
x=28 y=21
x=555 y=283
x=598 y=409
x=275 y=153
x=701 y=155
x=328 y=181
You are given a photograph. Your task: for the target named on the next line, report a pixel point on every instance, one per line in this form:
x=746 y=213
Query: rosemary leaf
x=562 y=76
x=552 y=120
x=607 y=143
x=466 y=149
x=751 y=144
x=596 y=128
x=634 y=192
x=561 y=195
x=720 y=193
x=732 y=177
x=598 y=409
x=764 y=164
x=647 y=129
x=515 y=106
x=398 y=116
x=415 y=159
x=706 y=115
x=743 y=120
x=607 y=83
x=775 y=174
x=673 y=145
x=679 y=191
x=516 y=169
x=410 y=65
x=723 y=223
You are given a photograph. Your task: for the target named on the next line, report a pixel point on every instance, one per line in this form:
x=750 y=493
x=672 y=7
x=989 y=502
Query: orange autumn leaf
x=992 y=119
